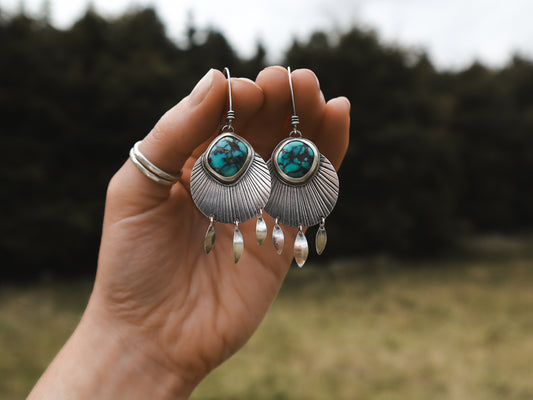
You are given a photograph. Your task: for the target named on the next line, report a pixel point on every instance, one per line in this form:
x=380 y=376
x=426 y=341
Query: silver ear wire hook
x=230 y=116
x=295 y=121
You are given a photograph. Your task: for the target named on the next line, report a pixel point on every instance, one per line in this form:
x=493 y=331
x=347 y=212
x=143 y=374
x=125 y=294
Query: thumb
x=170 y=143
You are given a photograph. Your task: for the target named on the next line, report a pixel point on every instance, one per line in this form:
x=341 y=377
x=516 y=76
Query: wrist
x=106 y=360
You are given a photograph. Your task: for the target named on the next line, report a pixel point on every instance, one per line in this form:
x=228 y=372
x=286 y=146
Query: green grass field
x=374 y=328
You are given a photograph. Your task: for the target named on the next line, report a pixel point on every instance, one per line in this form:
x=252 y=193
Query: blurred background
x=424 y=288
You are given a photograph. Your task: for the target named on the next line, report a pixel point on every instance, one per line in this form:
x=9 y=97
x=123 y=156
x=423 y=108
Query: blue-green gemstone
x=227 y=156
x=295 y=158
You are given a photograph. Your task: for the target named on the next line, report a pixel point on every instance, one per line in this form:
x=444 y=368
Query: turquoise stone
x=227 y=156
x=295 y=158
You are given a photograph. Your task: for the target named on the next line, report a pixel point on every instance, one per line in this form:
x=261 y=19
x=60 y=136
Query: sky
x=454 y=33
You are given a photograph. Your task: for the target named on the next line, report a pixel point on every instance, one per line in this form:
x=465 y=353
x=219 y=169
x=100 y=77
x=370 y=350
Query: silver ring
x=150 y=170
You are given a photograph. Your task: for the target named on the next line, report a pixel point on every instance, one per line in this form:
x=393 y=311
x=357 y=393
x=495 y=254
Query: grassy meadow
x=376 y=328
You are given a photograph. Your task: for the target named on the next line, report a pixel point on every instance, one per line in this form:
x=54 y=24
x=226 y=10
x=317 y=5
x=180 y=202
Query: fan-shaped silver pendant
x=230 y=182
x=305 y=186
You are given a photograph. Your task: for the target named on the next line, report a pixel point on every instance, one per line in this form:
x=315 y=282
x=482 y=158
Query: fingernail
x=252 y=82
x=317 y=81
x=248 y=80
x=316 y=77
x=347 y=101
x=201 y=89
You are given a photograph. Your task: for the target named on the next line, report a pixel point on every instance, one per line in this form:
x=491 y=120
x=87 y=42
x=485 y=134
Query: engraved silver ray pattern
x=305 y=204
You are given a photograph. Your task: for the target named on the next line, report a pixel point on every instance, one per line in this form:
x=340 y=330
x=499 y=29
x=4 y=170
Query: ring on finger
x=149 y=169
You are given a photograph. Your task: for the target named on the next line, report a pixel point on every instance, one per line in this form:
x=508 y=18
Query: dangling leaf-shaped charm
x=209 y=241
x=321 y=240
x=261 y=230
x=301 y=249
x=238 y=244
x=278 y=238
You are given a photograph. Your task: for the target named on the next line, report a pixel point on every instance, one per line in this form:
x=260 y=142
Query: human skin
x=162 y=313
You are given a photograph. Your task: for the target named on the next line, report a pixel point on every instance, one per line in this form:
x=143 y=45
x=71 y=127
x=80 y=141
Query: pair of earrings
x=298 y=186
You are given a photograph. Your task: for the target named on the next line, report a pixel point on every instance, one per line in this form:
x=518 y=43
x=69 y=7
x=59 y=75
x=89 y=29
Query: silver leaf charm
x=260 y=230
x=238 y=244
x=209 y=241
x=301 y=249
x=321 y=240
x=278 y=238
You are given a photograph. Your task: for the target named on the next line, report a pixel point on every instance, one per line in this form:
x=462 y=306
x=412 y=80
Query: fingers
x=270 y=124
x=333 y=133
x=262 y=108
x=185 y=126
x=196 y=118
x=193 y=121
x=309 y=101
x=326 y=124
x=247 y=99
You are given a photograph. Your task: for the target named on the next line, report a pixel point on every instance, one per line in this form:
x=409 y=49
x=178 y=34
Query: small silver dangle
x=278 y=238
x=260 y=228
x=321 y=237
x=209 y=241
x=238 y=243
x=301 y=249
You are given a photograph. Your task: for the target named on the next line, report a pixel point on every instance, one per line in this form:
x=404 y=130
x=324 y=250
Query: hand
x=158 y=297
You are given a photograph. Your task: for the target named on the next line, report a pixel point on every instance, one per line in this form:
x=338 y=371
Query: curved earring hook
x=295 y=120
x=230 y=116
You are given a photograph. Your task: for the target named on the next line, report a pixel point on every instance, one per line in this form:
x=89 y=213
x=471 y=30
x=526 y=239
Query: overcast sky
x=454 y=32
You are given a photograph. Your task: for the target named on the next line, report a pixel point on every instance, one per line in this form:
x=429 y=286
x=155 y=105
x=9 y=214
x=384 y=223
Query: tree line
x=434 y=155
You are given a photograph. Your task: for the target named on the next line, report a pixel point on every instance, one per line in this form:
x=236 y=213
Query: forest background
x=435 y=156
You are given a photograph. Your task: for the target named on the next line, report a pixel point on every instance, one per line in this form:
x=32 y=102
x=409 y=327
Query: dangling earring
x=230 y=183
x=305 y=188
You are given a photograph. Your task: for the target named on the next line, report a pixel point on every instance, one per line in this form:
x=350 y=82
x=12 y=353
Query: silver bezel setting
x=240 y=200
x=312 y=170
x=234 y=178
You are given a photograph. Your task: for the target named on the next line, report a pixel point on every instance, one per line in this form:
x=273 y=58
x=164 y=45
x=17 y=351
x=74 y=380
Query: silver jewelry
x=149 y=169
x=305 y=188
x=230 y=183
